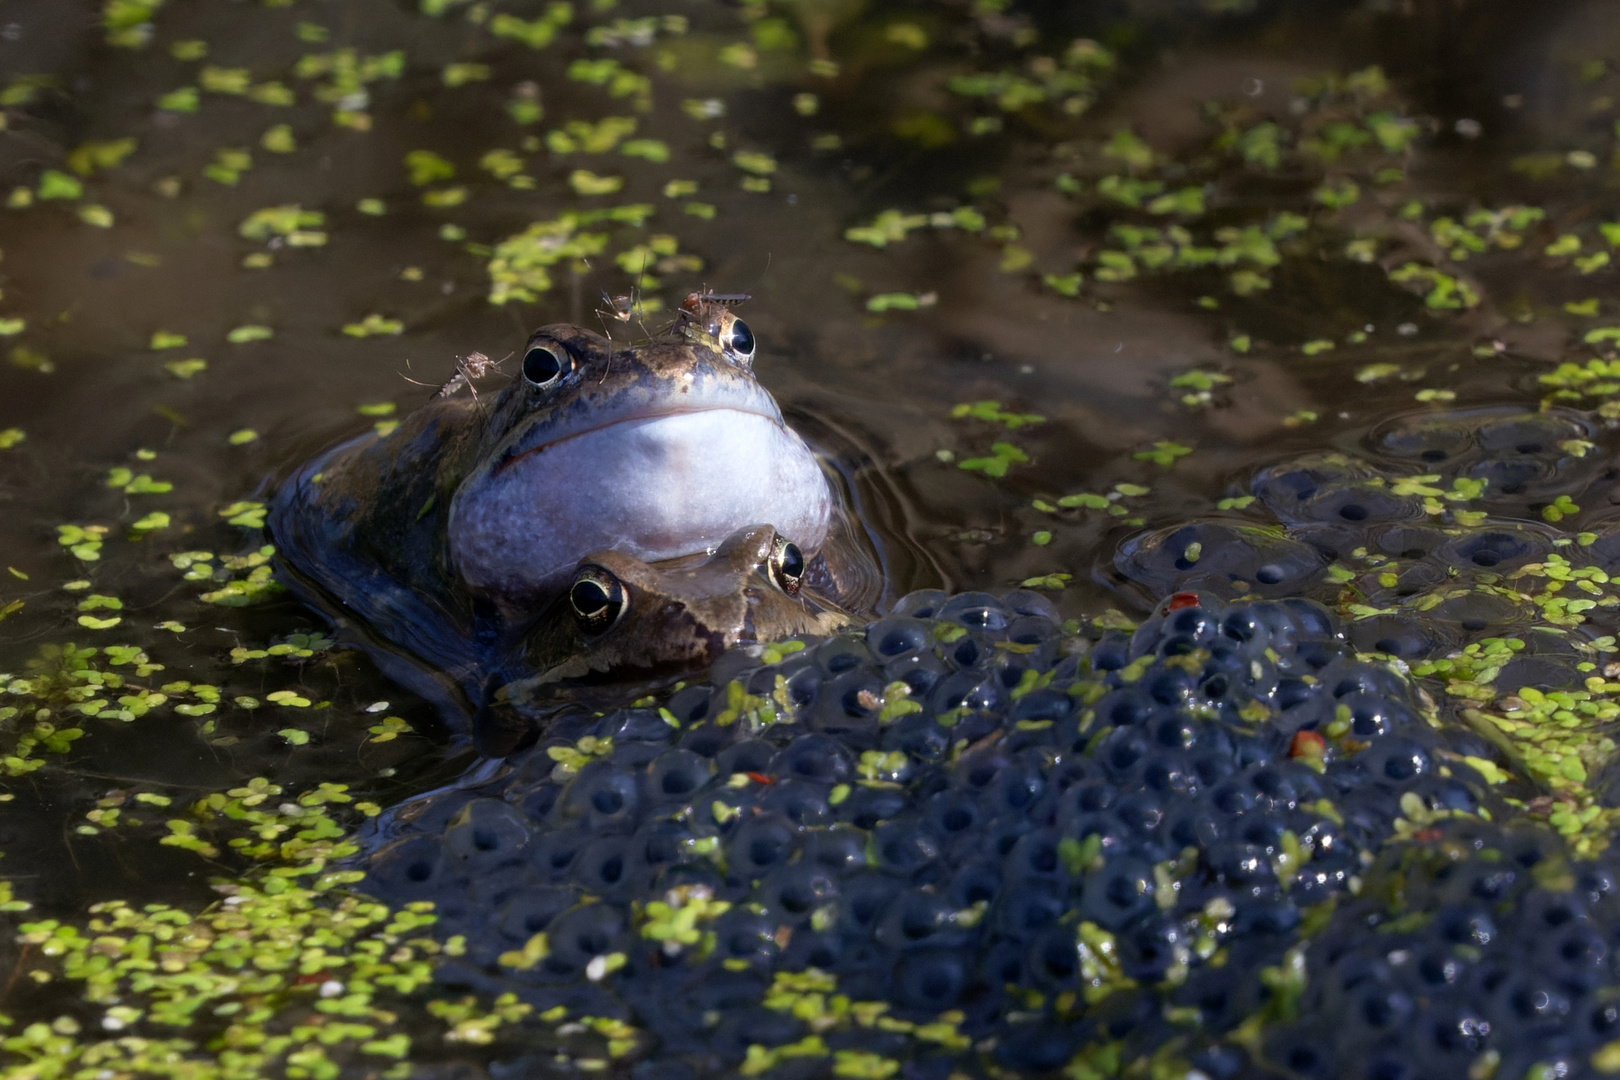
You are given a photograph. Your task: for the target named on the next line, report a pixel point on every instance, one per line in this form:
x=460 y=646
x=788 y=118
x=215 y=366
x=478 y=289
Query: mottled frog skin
x=613 y=509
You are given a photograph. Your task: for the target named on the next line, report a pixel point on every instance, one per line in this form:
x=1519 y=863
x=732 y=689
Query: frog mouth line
x=635 y=418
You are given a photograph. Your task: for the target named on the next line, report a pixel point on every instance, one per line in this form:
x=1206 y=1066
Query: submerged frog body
x=452 y=547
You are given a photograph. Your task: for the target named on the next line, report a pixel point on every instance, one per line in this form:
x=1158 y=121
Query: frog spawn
x=1488 y=951
x=1386 y=518
x=1047 y=852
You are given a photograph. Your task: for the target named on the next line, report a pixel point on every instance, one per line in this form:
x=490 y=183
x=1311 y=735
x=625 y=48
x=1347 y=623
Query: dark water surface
x=1149 y=257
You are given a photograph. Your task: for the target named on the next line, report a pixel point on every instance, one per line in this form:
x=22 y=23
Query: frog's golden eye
x=738 y=341
x=786 y=565
x=598 y=599
x=543 y=365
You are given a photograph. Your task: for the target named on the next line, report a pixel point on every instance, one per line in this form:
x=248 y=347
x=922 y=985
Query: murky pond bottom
x=1259 y=359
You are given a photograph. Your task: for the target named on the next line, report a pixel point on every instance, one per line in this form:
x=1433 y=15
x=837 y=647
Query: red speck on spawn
x=1307 y=744
x=1183 y=599
x=759 y=778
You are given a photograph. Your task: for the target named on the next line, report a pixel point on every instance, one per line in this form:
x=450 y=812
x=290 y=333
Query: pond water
x=1103 y=301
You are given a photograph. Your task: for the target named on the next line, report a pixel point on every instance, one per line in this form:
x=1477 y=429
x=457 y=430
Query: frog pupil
x=597 y=599
x=589 y=597
x=742 y=339
x=541 y=365
x=787 y=566
x=792 y=561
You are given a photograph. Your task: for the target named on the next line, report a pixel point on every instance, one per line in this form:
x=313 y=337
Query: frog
x=620 y=610
x=626 y=627
x=655 y=486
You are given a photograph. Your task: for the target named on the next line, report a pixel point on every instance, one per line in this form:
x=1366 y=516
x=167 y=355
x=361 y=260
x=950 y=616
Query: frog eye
x=738 y=341
x=787 y=565
x=543 y=366
x=598 y=599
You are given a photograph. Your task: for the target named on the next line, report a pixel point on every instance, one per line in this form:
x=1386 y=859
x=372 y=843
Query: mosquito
x=621 y=308
x=625 y=307
x=469 y=368
x=705 y=308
